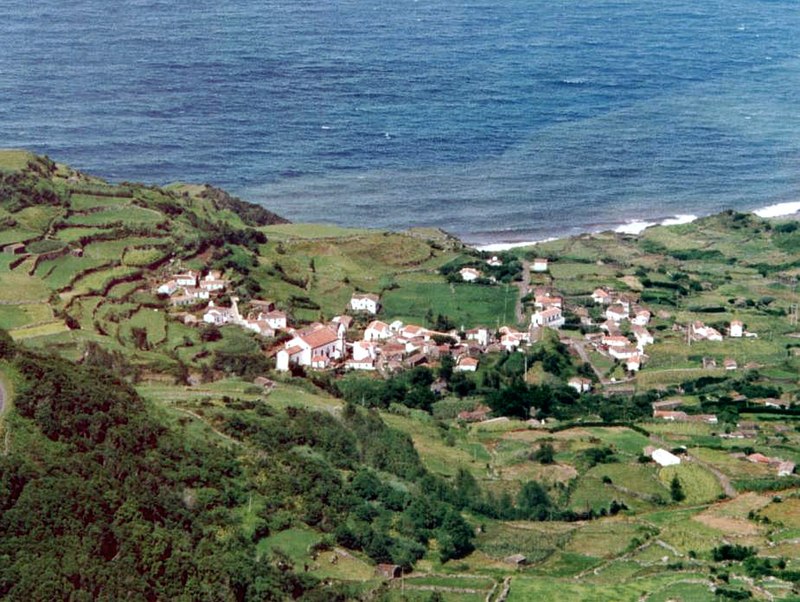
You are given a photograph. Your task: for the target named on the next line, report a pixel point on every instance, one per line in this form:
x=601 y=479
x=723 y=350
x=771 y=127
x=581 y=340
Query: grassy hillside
x=299 y=488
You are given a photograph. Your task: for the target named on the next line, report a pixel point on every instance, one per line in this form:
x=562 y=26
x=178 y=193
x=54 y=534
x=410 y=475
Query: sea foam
x=778 y=210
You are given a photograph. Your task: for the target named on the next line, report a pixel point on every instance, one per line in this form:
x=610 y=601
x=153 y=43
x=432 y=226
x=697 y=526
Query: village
x=386 y=346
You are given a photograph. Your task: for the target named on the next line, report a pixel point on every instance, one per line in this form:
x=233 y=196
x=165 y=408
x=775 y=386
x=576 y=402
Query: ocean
x=501 y=121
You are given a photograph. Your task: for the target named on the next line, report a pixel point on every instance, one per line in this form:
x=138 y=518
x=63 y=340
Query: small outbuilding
x=516 y=559
x=389 y=571
x=664 y=458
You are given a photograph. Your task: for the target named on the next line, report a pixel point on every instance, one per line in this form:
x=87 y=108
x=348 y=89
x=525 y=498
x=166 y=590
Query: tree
x=545 y=454
x=139 y=334
x=513 y=400
x=676 y=490
x=454 y=536
x=7 y=347
x=533 y=502
x=447 y=363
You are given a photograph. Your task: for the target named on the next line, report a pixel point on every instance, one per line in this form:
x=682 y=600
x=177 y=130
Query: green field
x=468 y=305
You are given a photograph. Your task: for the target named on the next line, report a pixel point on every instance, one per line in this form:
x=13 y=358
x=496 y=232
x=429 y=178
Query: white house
x=617 y=313
x=259 y=327
x=549 y=318
x=196 y=293
x=320 y=362
x=479 y=335
x=364 y=350
x=218 y=316
x=169 y=287
x=737 y=329
x=304 y=347
x=223 y=315
x=634 y=363
x=700 y=332
x=186 y=279
x=377 y=331
x=396 y=326
x=664 y=458
x=495 y=261
x=615 y=341
x=365 y=364
x=276 y=319
x=467 y=364
x=581 y=385
x=643 y=336
x=469 y=274
x=412 y=331
x=623 y=353
x=213 y=282
x=367 y=302
x=601 y=296
x=641 y=317
x=539 y=264
x=546 y=301
x=511 y=340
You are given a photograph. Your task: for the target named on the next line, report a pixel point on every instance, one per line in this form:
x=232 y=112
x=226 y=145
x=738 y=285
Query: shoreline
x=637 y=226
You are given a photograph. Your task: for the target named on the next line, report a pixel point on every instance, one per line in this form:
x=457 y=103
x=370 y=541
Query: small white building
x=365 y=364
x=495 y=261
x=196 y=292
x=412 y=331
x=615 y=341
x=306 y=346
x=642 y=336
x=641 y=317
x=634 y=363
x=364 y=350
x=213 y=281
x=700 y=331
x=601 y=296
x=218 y=316
x=469 y=274
x=479 y=335
x=617 y=313
x=377 y=331
x=186 y=278
x=276 y=319
x=548 y=318
x=540 y=264
x=169 y=287
x=580 y=384
x=466 y=364
x=546 y=301
x=320 y=362
x=664 y=458
x=736 y=329
x=623 y=353
x=511 y=340
x=367 y=302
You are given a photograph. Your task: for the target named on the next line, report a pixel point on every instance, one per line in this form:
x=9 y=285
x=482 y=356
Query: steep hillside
x=161 y=451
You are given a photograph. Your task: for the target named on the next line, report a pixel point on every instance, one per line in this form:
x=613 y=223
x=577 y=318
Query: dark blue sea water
x=497 y=120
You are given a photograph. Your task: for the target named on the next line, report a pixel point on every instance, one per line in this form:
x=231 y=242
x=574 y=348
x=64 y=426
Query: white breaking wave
x=505 y=246
x=634 y=227
x=678 y=220
x=778 y=210
x=639 y=226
